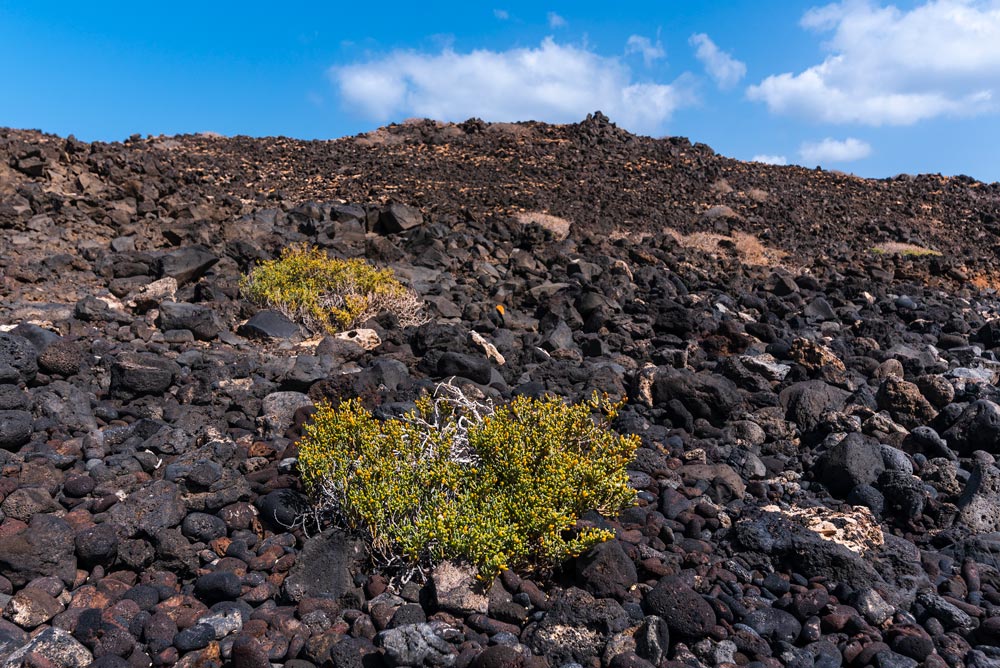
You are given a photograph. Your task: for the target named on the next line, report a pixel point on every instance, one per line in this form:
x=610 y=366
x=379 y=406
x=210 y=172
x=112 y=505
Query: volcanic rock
x=855 y=460
x=905 y=403
x=97 y=544
x=455 y=589
x=31 y=607
x=703 y=395
x=148 y=510
x=137 y=374
x=44 y=547
x=186 y=264
x=606 y=570
x=198 y=319
x=977 y=428
x=17 y=357
x=268 y=324
x=54 y=646
x=577 y=627
x=807 y=402
x=686 y=613
x=415 y=645
x=398 y=217
x=61 y=357
x=476 y=369
x=15 y=429
x=325 y=567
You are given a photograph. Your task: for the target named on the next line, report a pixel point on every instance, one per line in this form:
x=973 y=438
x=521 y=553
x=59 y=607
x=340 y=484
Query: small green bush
x=499 y=488
x=328 y=294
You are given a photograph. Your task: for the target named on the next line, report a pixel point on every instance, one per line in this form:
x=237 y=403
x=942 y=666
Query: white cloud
x=770 y=159
x=556 y=21
x=552 y=82
x=725 y=70
x=832 y=150
x=887 y=66
x=651 y=51
x=501 y=14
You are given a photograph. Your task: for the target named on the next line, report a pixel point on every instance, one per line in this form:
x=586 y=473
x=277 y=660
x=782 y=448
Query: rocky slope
x=817 y=483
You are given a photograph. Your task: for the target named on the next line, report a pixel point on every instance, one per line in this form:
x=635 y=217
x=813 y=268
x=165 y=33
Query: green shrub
x=499 y=488
x=327 y=294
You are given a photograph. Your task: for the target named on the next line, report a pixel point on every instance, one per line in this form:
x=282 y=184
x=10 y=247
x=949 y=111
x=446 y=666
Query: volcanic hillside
x=809 y=359
x=601 y=178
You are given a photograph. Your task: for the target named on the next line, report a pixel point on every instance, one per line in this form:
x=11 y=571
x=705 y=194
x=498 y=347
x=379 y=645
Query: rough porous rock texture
x=817 y=482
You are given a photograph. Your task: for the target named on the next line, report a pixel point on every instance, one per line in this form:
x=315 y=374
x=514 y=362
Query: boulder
x=905 y=403
x=249 y=653
x=855 y=460
x=269 y=324
x=18 y=358
x=278 y=410
x=397 y=217
x=686 y=613
x=15 y=429
x=97 y=544
x=67 y=405
x=773 y=624
x=455 y=589
x=415 y=645
x=606 y=571
x=153 y=294
x=325 y=568
x=198 y=319
x=979 y=504
x=31 y=607
x=977 y=428
x=26 y=502
x=186 y=264
x=705 y=395
x=148 y=509
x=576 y=627
x=53 y=645
x=138 y=374
x=475 y=368
x=61 y=357
x=806 y=403
x=44 y=548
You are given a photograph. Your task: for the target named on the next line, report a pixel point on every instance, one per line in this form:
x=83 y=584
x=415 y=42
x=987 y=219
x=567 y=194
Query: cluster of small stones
x=816 y=485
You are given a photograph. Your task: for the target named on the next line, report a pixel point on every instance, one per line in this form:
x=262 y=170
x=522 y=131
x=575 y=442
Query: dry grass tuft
x=746 y=247
x=906 y=250
x=559 y=227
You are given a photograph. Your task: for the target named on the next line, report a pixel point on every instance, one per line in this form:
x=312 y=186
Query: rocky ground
x=819 y=412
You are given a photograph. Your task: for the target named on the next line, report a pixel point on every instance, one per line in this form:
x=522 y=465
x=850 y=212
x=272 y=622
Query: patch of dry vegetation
x=906 y=250
x=746 y=247
x=559 y=227
x=985 y=281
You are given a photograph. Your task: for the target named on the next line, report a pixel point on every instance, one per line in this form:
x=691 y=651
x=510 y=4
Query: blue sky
x=866 y=87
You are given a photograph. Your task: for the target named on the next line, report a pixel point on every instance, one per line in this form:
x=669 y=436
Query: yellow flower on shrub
x=499 y=487
x=328 y=294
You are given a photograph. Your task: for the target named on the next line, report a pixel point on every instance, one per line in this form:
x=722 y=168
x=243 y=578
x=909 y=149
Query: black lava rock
x=200 y=320
x=686 y=613
x=218 y=586
x=606 y=570
x=476 y=369
x=18 y=358
x=15 y=429
x=856 y=460
x=269 y=324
